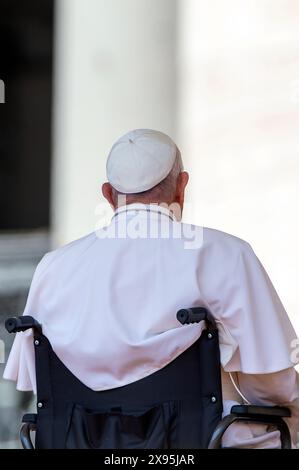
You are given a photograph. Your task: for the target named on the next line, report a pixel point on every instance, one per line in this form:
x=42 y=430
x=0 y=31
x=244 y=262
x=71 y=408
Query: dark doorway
x=26 y=39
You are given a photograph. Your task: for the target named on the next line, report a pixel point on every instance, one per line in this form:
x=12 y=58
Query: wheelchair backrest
x=177 y=407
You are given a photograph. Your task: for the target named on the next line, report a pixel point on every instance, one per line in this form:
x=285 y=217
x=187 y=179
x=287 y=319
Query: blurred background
x=222 y=78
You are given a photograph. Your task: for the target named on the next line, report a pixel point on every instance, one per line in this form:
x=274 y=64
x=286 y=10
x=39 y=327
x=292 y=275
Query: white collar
x=148 y=208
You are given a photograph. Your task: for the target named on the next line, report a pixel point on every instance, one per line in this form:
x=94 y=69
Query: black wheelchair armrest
x=28 y=425
x=261 y=411
x=272 y=415
x=17 y=324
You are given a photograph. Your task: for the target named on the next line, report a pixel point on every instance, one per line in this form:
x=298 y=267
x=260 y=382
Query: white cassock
x=108 y=302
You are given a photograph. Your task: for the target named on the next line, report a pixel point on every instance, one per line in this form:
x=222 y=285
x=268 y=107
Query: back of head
x=143 y=166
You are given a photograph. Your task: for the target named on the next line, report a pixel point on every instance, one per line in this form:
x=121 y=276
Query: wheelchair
x=177 y=407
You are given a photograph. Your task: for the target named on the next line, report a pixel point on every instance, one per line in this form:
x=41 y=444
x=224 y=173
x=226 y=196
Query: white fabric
x=140 y=160
x=108 y=304
x=279 y=388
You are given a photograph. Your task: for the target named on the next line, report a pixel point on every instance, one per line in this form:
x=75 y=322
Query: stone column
x=114 y=71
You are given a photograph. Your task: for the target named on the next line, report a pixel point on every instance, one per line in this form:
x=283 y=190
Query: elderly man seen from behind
x=147 y=261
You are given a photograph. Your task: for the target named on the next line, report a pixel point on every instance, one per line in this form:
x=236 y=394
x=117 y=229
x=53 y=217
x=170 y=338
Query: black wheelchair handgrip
x=18 y=324
x=192 y=315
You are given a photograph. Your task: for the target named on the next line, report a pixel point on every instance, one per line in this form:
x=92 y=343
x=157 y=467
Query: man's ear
x=182 y=182
x=107 y=192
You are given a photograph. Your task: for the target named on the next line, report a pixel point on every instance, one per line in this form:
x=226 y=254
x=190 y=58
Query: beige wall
x=238 y=120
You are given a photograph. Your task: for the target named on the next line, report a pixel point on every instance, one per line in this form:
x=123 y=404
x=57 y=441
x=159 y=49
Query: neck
x=174 y=208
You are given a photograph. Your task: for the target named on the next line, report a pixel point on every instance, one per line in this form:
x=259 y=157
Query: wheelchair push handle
x=187 y=316
x=18 y=324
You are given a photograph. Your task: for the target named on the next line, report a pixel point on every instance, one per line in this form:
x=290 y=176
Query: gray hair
x=162 y=192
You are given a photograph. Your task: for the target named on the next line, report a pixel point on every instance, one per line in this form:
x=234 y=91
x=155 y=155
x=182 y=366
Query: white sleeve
x=280 y=388
x=245 y=304
x=20 y=365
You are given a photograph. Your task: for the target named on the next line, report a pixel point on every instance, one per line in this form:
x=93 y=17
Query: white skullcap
x=140 y=160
